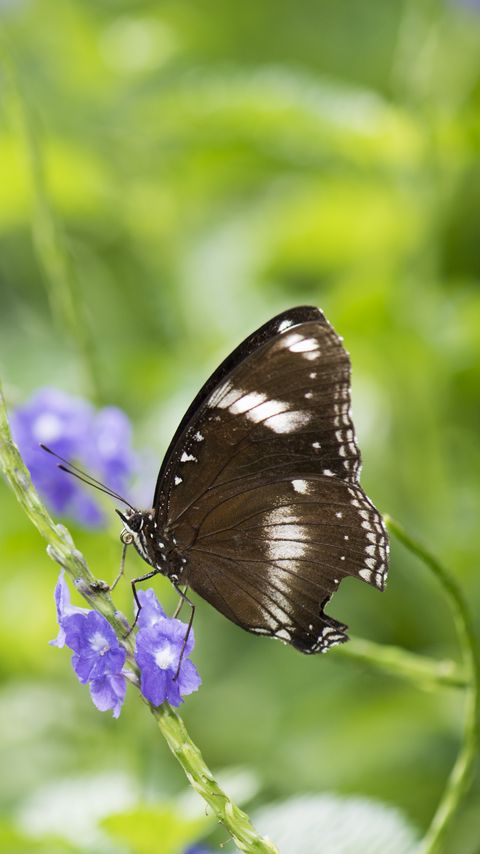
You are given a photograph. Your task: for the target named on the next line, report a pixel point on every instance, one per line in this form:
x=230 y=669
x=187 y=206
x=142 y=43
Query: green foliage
x=15 y=842
x=196 y=167
x=148 y=829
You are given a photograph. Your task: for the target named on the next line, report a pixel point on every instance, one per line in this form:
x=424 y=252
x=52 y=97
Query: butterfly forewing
x=259 y=487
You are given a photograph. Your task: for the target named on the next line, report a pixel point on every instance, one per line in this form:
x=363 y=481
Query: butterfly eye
x=126 y=537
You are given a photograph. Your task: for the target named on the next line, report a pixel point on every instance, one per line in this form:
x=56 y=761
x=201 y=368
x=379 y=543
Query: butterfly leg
x=134 y=583
x=122 y=568
x=180 y=605
x=184 y=598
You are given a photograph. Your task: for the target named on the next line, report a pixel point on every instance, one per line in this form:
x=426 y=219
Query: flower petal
x=151 y=611
x=153 y=685
x=62 y=600
x=108 y=692
x=189 y=678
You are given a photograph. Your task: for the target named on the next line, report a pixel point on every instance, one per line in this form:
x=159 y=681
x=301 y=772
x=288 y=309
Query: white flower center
x=165 y=657
x=99 y=643
x=47 y=427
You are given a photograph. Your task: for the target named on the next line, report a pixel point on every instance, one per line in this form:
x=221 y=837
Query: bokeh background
x=171 y=175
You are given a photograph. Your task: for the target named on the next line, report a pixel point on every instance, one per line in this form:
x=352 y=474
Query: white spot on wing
x=366 y=574
x=304 y=346
x=286 y=549
x=178 y=480
x=301 y=486
x=266 y=410
x=227 y=399
x=248 y=401
x=284 y=325
x=283 y=634
x=292 y=339
x=288 y=422
x=281 y=516
x=187 y=458
x=218 y=393
x=328 y=473
x=285 y=540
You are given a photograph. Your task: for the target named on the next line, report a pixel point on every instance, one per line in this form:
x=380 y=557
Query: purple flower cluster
x=98 y=440
x=99 y=659
x=160 y=643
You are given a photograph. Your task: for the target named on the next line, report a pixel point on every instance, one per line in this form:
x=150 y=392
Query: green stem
x=48 y=239
x=62 y=549
x=200 y=777
x=416 y=668
x=460 y=776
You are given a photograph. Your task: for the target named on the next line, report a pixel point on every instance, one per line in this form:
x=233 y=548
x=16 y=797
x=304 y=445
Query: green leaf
x=150 y=830
x=14 y=841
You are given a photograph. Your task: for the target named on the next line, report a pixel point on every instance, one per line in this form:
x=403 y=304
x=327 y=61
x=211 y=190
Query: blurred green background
x=172 y=174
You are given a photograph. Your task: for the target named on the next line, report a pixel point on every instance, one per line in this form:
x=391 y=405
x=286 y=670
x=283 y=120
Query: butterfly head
x=140 y=530
x=133 y=521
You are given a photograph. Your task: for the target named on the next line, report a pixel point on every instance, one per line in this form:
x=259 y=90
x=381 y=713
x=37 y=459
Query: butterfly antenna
x=88 y=479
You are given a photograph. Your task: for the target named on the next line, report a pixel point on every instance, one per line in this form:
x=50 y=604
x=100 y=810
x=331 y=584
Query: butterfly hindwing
x=270 y=556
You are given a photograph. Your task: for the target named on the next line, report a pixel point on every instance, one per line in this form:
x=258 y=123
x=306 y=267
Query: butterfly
x=258 y=507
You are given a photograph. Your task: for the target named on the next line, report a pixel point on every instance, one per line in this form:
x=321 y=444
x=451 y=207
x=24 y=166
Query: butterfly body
x=155 y=546
x=258 y=506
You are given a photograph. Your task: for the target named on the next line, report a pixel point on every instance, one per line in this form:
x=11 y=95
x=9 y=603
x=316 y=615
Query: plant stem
x=416 y=668
x=459 y=779
x=62 y=549
x=49 y=241
x=200 y=777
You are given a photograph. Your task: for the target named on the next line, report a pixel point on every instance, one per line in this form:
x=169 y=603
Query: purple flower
x=97 y=657
x=96 y=649
x=151 y=612
x=99 y=440
x=160 y=641
x=64 y=608
x=108 y=692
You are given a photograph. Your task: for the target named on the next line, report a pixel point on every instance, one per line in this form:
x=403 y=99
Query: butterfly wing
x=259 y=488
